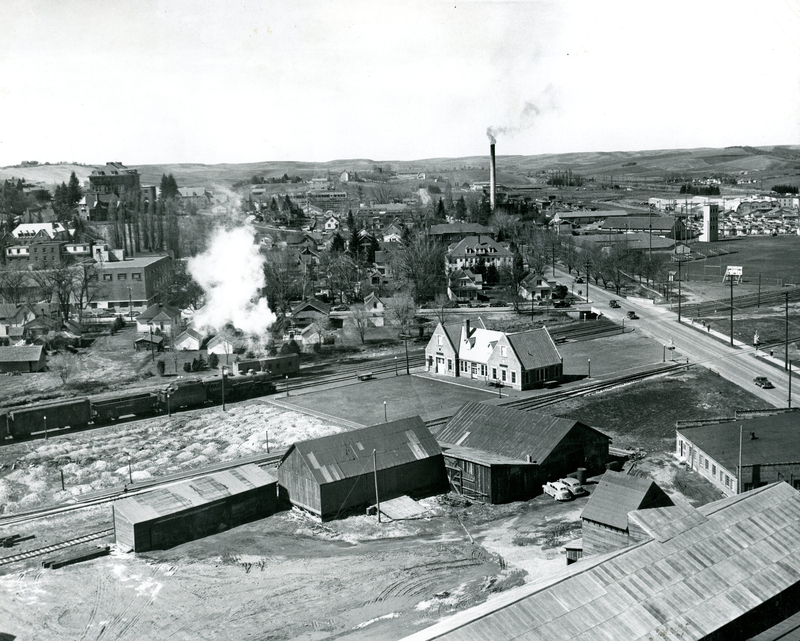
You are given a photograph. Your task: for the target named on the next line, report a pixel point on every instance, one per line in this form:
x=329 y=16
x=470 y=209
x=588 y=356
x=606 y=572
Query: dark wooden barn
x=604 y=520
x=332 y=475
x=521 y=451
x=194 y=508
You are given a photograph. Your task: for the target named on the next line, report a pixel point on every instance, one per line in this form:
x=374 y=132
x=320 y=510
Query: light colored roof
x=312 y=303
x=192 y=493
x=535 y=349
x=21 y=354
x=689 y=586
x=158 y=312
x=190 y=333
x=511 y=433
x=482 y=246
x=349 y=454
x=479 y=345
x=657 y=223
x=31 y=229
x=131 y=263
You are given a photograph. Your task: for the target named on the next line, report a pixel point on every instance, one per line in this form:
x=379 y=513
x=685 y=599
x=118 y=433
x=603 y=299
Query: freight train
x=79 y=413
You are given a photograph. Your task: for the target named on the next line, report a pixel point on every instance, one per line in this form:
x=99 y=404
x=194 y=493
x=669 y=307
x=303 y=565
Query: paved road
x=737 y=364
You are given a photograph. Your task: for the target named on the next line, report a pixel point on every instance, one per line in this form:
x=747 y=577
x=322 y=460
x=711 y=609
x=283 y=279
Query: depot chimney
x=492 y=177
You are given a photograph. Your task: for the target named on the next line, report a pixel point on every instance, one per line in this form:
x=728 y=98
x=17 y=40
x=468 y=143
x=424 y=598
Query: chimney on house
x=466 y=327
x=492 y=177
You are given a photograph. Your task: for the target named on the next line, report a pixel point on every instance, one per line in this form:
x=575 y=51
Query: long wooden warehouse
x=194 y=508
x=332 y=475
x=726 y=570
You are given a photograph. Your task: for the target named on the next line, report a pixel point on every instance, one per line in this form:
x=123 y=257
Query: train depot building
x=727 y=570
x=770 y=450
x=334 y=475
x=498 y=455
x=521 y=360
x=194 y=508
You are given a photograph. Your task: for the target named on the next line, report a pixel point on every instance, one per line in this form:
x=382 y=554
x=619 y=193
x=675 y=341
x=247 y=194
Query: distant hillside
x=758 y=162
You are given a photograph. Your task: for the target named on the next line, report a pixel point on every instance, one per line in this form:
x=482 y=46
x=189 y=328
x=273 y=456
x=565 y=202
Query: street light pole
x=44 y=418
x=130 y=303
x=731 y=277
x=395 y=365
x=590 y=368
x=224 y=369
x=385 y=419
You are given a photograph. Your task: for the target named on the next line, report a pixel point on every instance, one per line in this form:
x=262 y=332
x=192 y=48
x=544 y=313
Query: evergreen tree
x=337 y=244
x=354 y=246
x=73 y=190
x=169 y=187
x=461 y=208
x=441 y=214
x=351 y=221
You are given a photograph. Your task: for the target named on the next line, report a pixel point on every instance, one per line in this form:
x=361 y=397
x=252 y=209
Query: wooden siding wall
x=495 y=483
x=300 y=486
x=580 y=448
x=599 y=539
x=418 y=478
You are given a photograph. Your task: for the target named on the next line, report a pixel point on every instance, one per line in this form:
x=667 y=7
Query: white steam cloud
x=230 y=272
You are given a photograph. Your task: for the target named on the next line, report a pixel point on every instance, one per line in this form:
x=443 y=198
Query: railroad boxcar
x=277 y=366
x=49 y=416
x=4 y=433
x=182 y=394
x=108 y=409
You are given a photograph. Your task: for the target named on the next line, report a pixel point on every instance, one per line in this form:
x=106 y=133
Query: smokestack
x=492 y=177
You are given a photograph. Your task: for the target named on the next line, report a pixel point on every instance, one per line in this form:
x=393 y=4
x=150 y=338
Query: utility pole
x=790 y=384
x=739 y=471
x=408 y=371
x=375 y=472
x=758 y=305
x=679 y=290
x=786 y=334
x=731 y=277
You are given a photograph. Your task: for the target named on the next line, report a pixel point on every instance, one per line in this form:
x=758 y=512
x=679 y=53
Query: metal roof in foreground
x=699 y=572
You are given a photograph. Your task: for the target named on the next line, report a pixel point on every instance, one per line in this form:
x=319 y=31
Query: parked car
x=340 y=308
x=497 y=303
x=561 y=303
x=579 y=280
x=574 y=487
x=763 y=381
x=613 y=303
x=632 y=315
x=557 y=490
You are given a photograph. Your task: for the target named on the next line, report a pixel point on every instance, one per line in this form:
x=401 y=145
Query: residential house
x=770 y=450
x=333 y=475
x=309 y=311
x=189 y=340
x=160 y=317
x=725 y=570
x=222 y=345
x=535 y=287
x=463 y=285
x=331 y=223
x=497 y=454
x=604 y=520
x=475 y=251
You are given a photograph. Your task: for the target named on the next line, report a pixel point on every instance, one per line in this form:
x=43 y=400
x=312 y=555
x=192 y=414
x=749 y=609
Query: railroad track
x=56 y=546
x=740 y=302
x=528 y=404
x=349 y=375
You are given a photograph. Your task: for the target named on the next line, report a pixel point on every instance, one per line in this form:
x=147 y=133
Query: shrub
x=213 y=361
x=290 y=348
x=161 y=367
x=187 y=367
x=118 y=324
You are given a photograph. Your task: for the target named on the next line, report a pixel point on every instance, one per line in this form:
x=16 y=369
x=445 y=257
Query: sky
x=206 y=81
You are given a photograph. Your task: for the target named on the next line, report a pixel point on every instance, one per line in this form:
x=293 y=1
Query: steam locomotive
x=80 y=413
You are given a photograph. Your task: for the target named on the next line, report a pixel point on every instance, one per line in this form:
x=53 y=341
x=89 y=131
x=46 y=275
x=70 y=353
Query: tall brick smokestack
x=492 y=178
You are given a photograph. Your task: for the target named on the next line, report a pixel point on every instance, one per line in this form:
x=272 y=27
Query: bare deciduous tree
x=64 y=364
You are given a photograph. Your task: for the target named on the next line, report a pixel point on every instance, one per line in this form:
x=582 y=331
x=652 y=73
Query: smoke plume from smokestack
x=527 y=117
x=231 y=275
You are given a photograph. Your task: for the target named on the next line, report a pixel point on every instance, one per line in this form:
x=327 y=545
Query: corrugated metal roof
x=685 y=588
x=776 y=440
x=479 y=456
x=349 y=454
x=619 y=493
x=192 y=493
x=21 y=354
x=535 y=348
x=511 y=433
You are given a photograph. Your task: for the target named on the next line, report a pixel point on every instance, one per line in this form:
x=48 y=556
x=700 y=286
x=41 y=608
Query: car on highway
x=557 y=490
x=613 y=303
x=632 y=315
x=574 y=486
x=763 y=381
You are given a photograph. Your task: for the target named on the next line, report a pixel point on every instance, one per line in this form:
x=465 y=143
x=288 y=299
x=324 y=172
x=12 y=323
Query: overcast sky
x=164 y=81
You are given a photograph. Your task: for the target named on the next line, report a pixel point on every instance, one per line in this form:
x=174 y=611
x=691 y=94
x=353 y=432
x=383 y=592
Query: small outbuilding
x=604 y=520
x=520 y=451
x=332 y=475
x=194 y=508
x=24 y=358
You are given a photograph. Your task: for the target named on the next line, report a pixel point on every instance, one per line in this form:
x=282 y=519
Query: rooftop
x=535 y=348
x=731 y=557
x=619 y=493
x=21 y=354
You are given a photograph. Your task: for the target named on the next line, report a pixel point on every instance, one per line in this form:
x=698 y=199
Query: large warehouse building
x=195 y=508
